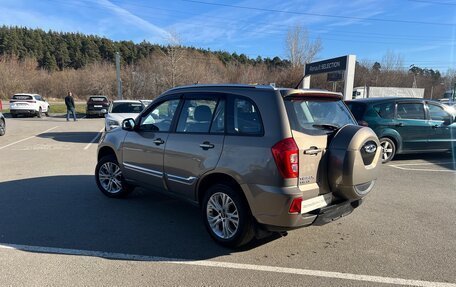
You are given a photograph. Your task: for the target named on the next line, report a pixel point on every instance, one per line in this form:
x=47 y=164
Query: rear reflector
x=295 y=206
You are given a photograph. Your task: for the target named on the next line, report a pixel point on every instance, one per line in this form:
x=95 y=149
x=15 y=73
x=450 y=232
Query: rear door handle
x=399 y=125
x=206 y=145
x=313 y=151
x=435 y=126
x=159 y=141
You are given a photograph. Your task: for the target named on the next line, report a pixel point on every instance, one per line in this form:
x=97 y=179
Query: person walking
x=69 y=102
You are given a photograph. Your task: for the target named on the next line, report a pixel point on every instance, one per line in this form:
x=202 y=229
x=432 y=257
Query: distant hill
x=57 y=50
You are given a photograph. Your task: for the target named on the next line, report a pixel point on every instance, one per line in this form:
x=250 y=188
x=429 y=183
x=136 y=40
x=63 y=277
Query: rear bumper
x=321 y=216
x=95 y=113
x=23 y=111
x=270 y=206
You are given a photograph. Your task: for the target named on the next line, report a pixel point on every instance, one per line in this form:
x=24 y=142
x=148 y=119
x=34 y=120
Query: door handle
x=206 y=145
x=399 y=124
x=435 y=126
x=313 y=151
x=159 y=141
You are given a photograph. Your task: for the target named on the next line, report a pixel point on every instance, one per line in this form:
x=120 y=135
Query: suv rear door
x=412 y=125
x=314 y=119
x=196 y=145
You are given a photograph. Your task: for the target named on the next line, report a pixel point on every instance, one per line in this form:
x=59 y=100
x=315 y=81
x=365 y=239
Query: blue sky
x=360 y=27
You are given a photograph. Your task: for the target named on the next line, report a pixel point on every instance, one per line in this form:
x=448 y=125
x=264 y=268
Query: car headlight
x=112 y=124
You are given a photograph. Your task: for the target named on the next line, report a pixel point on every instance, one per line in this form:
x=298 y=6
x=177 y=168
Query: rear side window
x=357 y=109
x=308 y=115
x=385 y=110
x=244 y=118
x=411 y=111
x=437 y=113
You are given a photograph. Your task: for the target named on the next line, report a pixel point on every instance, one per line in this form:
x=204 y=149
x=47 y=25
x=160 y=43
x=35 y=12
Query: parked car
x=255 y=158
x=2 y=125
x=407 y=125
x=28 y=104
x=120 y=110
x=97 y=105
x=146 y=102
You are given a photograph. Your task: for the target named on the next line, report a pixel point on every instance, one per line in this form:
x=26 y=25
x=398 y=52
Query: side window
x=245 y=119
x=196 y=116
x=160 y=118
x=38 y=98
x=218 y=124
x=436 y=113
x=411 y=111
x=385 y=110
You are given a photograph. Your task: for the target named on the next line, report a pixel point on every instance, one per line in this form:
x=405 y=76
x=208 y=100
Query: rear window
x=127 y=108
x=22 y=97
x=312 y=115
x=358 y=109
x=98 y=99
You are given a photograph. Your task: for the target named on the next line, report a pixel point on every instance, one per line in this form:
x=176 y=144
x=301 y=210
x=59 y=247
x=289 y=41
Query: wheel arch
x=214 y=178
x=104 y=151
x=395 y=137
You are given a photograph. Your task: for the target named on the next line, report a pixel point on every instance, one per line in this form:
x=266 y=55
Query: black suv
x=97 y=106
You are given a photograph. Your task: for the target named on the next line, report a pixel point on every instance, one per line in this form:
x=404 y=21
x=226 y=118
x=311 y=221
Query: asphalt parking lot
x=56 y=228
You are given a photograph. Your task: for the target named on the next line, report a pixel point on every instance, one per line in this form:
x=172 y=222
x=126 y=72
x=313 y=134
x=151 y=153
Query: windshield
x=118 y=108
x=310 y=115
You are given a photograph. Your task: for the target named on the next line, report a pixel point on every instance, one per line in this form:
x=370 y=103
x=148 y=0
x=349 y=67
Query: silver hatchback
x=256 y=159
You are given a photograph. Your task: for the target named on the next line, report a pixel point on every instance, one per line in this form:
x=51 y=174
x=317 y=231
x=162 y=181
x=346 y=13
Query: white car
x=120 y=110
x=28 y=104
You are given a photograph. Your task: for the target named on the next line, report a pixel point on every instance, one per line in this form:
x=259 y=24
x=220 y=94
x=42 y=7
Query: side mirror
x=128 y=124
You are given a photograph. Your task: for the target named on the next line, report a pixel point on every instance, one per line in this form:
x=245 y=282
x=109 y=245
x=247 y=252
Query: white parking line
x=230 y=265
x=94 y=139
x=22 y=140
x=404 y=166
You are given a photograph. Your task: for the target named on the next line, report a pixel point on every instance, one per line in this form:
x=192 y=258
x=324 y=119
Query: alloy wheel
x=110 y=177
x=222 y=215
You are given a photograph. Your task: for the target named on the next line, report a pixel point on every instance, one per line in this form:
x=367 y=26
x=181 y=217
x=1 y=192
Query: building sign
x=331 y=65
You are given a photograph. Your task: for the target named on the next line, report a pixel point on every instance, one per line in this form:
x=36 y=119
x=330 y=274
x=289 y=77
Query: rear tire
x=47 y=112
x=227 y=216
x=388 y=149
x=40 y=113
x=109 y=178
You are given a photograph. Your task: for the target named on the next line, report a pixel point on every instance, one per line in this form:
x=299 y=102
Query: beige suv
x=256 y=159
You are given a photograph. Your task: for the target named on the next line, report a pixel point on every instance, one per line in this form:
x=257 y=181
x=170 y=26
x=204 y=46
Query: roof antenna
x=302 y=79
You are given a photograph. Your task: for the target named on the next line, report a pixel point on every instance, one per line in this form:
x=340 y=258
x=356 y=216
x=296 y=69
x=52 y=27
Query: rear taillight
x=286 y=156
x=295 y=206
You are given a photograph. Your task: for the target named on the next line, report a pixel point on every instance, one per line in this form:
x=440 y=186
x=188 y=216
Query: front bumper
x=95 y=113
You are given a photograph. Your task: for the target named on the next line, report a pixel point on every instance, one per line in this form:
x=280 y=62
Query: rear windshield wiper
x=326 y=127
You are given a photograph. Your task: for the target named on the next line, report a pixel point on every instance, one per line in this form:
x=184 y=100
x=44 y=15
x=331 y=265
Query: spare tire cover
x=353 y=161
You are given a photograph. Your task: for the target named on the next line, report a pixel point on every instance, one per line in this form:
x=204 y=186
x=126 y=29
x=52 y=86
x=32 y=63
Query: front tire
x=109 y=178
x=227 y=216
x=2 y=128
x=388 y=149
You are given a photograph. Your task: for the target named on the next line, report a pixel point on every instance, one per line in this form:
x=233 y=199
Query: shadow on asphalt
x=446 y=160
x=73 y=137
x=70 y=212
